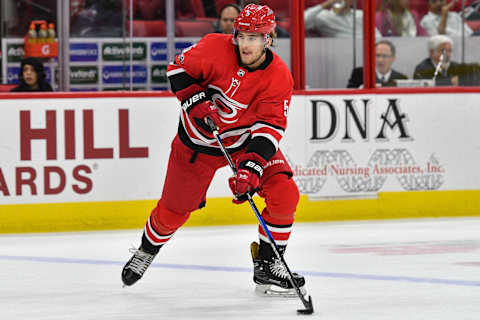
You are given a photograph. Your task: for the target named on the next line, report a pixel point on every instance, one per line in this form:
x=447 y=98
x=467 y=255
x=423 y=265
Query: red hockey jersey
x=251 y=103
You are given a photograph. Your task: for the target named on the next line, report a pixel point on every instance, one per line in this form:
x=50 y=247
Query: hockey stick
x=308 y=304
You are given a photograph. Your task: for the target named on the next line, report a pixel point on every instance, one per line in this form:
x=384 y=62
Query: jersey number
x=285 y=108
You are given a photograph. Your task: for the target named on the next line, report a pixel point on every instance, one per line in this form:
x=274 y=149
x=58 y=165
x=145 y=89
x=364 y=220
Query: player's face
x=383 y=58
x=251 y=46
x=30 y=75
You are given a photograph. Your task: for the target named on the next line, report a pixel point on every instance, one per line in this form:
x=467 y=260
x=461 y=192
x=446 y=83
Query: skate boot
x=136 y=266
x=271 y=276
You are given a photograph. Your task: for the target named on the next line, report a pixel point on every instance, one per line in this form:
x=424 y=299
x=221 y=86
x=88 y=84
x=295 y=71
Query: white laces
x=278 y=269
x=140 y=261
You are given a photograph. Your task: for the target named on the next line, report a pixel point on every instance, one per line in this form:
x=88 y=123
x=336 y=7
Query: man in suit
x=385 y=75
x=440 y=67
x=440 y=54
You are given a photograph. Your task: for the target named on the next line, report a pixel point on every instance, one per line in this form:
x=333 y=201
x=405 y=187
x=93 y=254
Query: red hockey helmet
x=255 y=18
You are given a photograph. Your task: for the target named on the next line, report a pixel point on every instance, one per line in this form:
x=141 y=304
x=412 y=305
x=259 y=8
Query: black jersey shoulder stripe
x=181 y=80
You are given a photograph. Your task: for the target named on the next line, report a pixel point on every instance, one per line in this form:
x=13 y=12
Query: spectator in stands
x=440 y=20
x=32 y=77
x=385 y=75
x=440 y=53
x=334 y=18
x=228 y=13
x=396 y=19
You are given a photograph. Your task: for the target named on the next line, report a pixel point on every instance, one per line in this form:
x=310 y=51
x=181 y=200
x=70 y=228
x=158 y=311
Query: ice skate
x=271 y=277
x=136 y=266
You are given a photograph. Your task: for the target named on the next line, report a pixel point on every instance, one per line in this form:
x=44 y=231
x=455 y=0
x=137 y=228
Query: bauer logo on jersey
x=196 y=98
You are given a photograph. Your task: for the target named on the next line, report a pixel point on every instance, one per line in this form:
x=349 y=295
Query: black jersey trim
x=181 y=81
x=263 y=147
x=268 y=124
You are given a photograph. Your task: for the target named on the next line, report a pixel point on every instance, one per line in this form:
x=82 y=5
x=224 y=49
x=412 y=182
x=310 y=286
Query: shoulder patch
x=181 y=57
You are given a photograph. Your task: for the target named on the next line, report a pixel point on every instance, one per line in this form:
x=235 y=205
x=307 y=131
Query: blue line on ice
x=240 y=269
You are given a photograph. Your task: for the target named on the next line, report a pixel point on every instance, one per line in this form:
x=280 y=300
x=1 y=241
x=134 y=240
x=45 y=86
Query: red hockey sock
x=162 y=224
x=281 y=197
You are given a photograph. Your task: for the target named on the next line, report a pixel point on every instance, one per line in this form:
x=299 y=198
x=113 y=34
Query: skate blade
x=270 y=290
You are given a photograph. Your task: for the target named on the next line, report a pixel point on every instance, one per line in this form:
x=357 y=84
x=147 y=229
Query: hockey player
x=245 y=88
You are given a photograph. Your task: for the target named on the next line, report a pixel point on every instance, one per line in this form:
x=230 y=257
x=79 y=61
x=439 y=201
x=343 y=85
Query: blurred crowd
x=440 y=21
x=327 y=18
x=400 y=18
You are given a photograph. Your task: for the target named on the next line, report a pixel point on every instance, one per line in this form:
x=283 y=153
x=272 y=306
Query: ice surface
x=392 y=269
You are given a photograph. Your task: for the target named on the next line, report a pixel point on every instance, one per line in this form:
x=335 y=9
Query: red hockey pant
x=186 y=185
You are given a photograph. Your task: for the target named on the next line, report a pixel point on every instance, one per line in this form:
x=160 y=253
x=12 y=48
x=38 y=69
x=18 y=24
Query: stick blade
x=308 y=309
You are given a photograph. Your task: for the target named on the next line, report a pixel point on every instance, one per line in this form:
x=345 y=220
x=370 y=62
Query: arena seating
x=198 y=9
x=193 y=28
x=192 y=22
x=280 y=7
x=189 y=9
x=149 y=28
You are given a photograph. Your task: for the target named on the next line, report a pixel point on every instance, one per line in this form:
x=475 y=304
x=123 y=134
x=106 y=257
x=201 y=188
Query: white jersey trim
x=201 y=140
x=175 y=71
x=230 y=100
x=257 y=126
x=279 y=230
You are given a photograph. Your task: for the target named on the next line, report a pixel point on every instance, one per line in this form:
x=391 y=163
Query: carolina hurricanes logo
x=228 y=109
x=233 y=87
